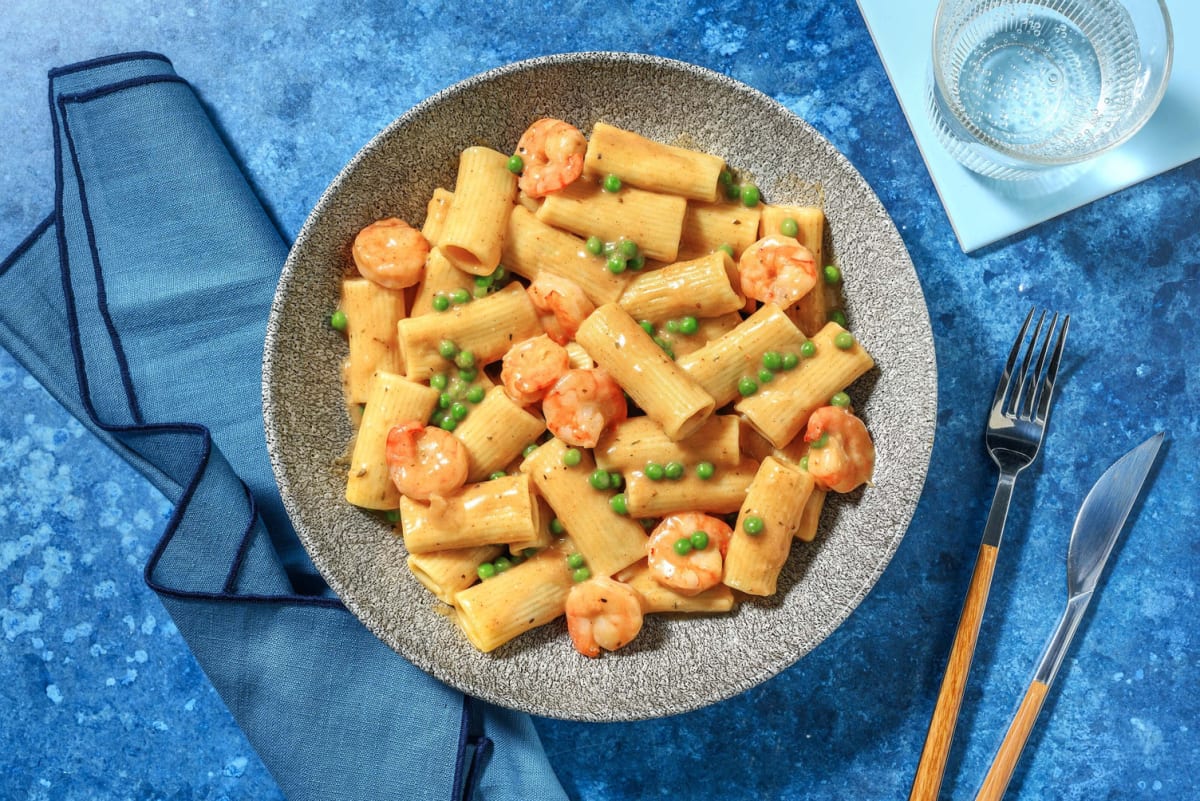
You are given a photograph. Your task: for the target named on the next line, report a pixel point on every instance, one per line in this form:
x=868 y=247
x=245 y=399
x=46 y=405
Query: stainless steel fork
x=1015 y=429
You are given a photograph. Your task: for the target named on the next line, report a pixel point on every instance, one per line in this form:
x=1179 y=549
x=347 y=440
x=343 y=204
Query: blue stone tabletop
x=101 y=699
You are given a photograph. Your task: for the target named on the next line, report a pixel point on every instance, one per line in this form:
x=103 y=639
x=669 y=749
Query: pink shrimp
x=390 y=253
x=531 y=367
x=582 y=404
x=696 y=569
x=777 y=269
x=424 y=461
x=841 y=455
x=602 y=613
x=552 y=152
x=563 y=305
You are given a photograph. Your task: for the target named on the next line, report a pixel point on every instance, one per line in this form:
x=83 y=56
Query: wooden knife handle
x=1001 y=771
x=928 y=780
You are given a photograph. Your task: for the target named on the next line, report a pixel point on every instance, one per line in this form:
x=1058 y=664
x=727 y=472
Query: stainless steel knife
x=1097 y=527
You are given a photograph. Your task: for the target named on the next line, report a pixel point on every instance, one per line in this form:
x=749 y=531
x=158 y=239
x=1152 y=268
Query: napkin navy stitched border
x=150 y=285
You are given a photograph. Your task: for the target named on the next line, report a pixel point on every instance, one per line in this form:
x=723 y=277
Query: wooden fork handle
x=1001 y=771
x=928 y=780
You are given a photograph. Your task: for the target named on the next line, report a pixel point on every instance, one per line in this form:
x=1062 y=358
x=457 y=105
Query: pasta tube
x=707 y=286
x=446 y=572
x=776 y=500
x=531 y=246
x=707 y=226
x=501 y=511
x=719 y=365
x=651 y=165
x=371 y=316
x=780 y=409
x=435 y=214
x=484 y=192
x=811 y=312
x=511 y=603
x=487 y=327
x=495 y=433
x=441 y=278
x=391 y=399
x=657 y=597
x=652 y=220
x=723 y=493
x=656 y=384
x=632 y=443
x=607 y=540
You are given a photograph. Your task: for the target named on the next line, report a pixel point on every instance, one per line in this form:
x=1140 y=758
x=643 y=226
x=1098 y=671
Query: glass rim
x=1024 y=158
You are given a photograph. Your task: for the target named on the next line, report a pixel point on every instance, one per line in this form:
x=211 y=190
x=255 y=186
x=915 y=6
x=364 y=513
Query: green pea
x=556 y=526
x=672 y=326
x=844 y=340
x=438 y=381
x=528 y=449
x=502 y=563
x=683 y=546
x=611 y=183
x=528 y=552
x=699 y=539
x=733 y=191
x=618 y=505
x=599 y=479
x=838 y=316
x=571 y=457
x=840 y=399
x=457 y=387
x=460 y=296
x=486 y=570
x=496 y=475
x=445 y=400
x=594 y=245
x=338 y=320
x=808 y=349
x=479 y=292
x=484 y=280
x=616 y=264
x=673 y=470
x=448 y=423
x=832 y=274
x=820 y=442
x=447 y=349
x=725 y=246
x=654 y=471
x=746 y=386
x=515 y=163
x=789 y=227
x=790 y=360
x=750 y=195
x=392 y=515
x=772 y=360
x=476 y=394
x=689 y=325
x=765 y=376
x=441 y=303
x=628 y=248
x=468 y=374
x=465 y=359
x=753 y=525
x=458 y=411
x=705 y=470
x=581 y=574
x=637 y=262
x=804 y=462
x=575 y=560
x=725 y=178
x=665 y=345
x=499 y=274
x=647 y=326
x=616 y=480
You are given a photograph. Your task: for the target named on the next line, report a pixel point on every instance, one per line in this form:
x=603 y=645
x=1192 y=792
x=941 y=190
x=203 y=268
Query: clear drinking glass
x=1023 y=86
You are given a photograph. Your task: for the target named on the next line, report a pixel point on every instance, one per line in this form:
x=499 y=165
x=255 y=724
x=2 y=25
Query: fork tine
x=1043 y=407
x=1024 y=377
x=1006 y=377
x=1035 y=378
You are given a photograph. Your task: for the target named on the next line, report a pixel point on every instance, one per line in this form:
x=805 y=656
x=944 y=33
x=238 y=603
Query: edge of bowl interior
x=540 y=673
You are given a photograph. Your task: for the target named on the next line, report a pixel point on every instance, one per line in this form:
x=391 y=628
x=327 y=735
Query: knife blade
x=1097 y=527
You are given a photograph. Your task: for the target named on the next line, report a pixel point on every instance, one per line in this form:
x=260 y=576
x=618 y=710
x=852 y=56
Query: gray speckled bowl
x=363 y=561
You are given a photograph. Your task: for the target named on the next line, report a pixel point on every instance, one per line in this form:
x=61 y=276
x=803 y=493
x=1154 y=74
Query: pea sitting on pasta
x=604 y=379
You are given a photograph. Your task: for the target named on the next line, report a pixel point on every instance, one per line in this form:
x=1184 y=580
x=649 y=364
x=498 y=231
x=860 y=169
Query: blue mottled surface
x=99 y=697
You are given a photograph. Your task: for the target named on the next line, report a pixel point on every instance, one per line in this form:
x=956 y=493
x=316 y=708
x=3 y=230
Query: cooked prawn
x=602 y=613
x=552 y=152
x=390 y=253
x=777 y=269
x=424 y=461
x=841 y=455
x=699 y=568
x=582 y=404
x=531 y=367
x=563 y=305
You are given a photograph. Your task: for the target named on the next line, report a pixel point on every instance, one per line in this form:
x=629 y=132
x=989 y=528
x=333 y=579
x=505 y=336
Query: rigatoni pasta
x=590 y=409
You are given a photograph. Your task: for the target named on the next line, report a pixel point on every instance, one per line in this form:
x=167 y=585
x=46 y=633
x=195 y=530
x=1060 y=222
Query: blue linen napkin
x=140 y=303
